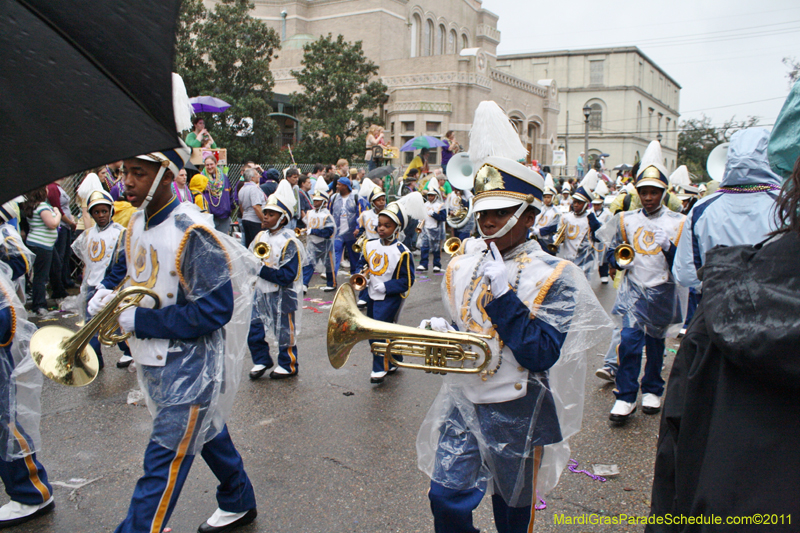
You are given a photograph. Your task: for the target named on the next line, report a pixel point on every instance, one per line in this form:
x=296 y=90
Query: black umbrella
x=380 y=172
x=82 y=83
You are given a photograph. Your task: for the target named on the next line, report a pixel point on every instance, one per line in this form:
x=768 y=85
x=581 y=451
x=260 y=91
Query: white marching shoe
x=651 y=404
x=622 y=411
x=15 y=513
x=377 y=377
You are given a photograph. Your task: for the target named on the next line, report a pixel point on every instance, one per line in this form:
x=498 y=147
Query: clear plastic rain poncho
x=96 y=249
x=648 y=298
x=14 y=252
x=272 y=301
x=549 y=407
x=20 y=380
x=319 y=249
x=198 y=384
x=578 y=245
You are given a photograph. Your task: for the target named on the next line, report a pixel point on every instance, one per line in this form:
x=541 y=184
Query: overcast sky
x=722 y=53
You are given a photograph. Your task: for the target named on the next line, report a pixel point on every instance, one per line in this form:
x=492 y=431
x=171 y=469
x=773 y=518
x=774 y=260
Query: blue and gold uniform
x=188 y=352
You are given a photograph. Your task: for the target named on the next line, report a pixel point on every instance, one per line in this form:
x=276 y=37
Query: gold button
x=518 y=386
x=173 y=273
x=521 y=369
x=170 y=295
x=160 y=357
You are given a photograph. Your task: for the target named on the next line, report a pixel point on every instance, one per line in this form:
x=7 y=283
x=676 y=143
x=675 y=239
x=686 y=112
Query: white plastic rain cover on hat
x=20 y=379
x=482 y=433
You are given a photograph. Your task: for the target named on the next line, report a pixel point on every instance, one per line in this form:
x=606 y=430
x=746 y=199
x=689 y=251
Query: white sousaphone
x=461 y=176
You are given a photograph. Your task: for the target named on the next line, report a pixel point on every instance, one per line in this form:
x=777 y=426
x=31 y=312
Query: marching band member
x=389 y=268
x=432 y=227
x=565 y=202
x=24 y=477
x=508 y=425
x=96 y=247
x=549 y=220
x=277 y=308
x=12 y=248
x=648 y=300
x=602 y=215
x=368 y=219
x=321 y=229
x=188 y=351
x=581 y=225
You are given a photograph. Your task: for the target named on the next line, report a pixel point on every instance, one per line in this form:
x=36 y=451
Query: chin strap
x=509 y=224
x=155 y=185
x=277 y=224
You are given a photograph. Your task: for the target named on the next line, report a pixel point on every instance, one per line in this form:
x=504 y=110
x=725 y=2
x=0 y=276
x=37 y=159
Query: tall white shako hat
x=566 y=188
x=176 y=158
x=403 y=210
x=99 y=197
x=432 y=187
x=600 y=192
x=321 y=191
x=500 y=181
x=370 y=192
x=651 y=168
x=584 y=192
x=550 y=185
x=282 y=201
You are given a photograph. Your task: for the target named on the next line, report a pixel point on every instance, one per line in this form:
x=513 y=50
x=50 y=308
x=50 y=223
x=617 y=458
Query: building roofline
x=589 y=51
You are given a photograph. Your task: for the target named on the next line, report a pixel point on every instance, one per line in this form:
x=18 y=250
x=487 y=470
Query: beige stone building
x=633 y=101
x=437 y=59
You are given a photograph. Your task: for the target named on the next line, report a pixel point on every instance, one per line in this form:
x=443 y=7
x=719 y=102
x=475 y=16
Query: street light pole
x=586 y=112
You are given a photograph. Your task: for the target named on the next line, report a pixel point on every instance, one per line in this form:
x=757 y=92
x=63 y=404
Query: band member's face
x=548 y=199
x=577 y=206
x=318 y=204
x=386 y=227
x=138 y=176
x=597 y=207
x=379 y=203
x=271 y=217
x=101 y=214
x=431 y=198
x=650 y=197
x=493 y=220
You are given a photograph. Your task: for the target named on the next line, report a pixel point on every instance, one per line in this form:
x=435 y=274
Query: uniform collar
x=162 y=214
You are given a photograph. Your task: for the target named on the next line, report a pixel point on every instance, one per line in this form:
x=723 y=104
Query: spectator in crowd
x=444 y=186
x=180 y=188
x=581 y=166
x=450 y=150
x=58 y=198
x=199 y=137
x=43 y=221
x=304 y=183
x=419 y=163
x=269 y=181
x=354 y=181
x=251 y=200
x=219 y=196
x=374 y=138
x=198 y=186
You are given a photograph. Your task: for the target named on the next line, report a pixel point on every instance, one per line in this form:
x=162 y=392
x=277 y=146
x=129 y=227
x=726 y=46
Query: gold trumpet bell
x=624 y=254
x=441 y=352
x=452 y=246
x=49 y=353
x=262 y=250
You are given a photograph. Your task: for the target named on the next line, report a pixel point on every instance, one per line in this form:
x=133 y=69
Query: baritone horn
x=452 y=246
x=558 y=240
x=623 y=254
x=262 y=250
x=360 y=244
x=66 y=356
x=441 y=353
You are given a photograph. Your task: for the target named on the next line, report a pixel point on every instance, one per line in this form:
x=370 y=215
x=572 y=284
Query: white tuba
x=461 y=176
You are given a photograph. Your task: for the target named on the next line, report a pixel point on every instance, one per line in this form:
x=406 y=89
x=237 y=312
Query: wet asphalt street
x=326 y=451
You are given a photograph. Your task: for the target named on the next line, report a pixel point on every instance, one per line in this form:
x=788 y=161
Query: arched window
x=451 y=42
x=596 y=117
x=639 y=118
x=416 y=23
x=427 y=39
x=440 y=40
x=464 y=41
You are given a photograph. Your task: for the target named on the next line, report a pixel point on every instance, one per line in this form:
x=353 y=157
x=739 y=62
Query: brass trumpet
x=420 y=226
x=452 y=246
x=359 y=280
x=360 y=244
x=558 y=240
x=66 y=357
x=262 y=250
x=624 y=254
x=441 y=352
x=299 y=232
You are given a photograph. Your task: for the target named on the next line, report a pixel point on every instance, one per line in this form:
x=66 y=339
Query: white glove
x=437 y=324
x=495 y=271
x=127 y=320
x=537 y=231
x=99 y=300
x=380 y=287
x=662 y=239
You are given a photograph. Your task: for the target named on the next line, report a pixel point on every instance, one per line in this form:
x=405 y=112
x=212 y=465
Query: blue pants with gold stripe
x=632 y=340
x=259 y=347
x=387 y=310
x=165 y=472
x=25 y=479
